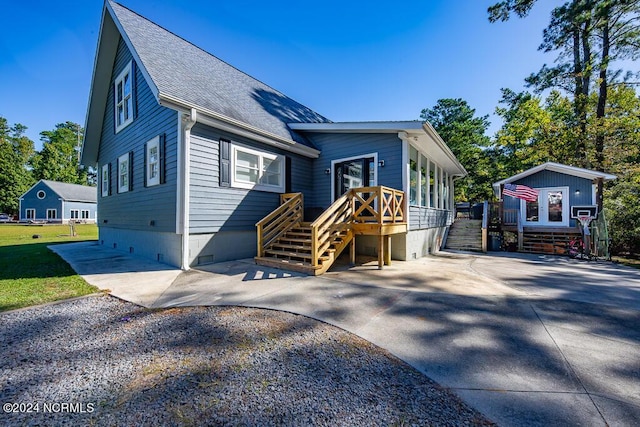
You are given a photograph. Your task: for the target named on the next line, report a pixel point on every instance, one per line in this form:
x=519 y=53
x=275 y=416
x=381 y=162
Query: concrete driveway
x=526 y=339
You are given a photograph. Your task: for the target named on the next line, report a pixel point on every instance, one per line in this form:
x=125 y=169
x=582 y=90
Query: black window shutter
x=162 y=148
x=110 y=178
x=225 y=163
x=144 y=170
x=130 y=170
x=287 y=174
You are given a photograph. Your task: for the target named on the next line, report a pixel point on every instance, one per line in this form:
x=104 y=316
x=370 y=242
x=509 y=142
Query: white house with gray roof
x=192 y=153
x=58 y=202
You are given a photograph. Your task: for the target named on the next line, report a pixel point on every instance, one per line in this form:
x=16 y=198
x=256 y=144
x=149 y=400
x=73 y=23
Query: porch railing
x=333 y=222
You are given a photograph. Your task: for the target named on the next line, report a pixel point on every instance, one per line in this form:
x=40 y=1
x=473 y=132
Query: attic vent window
x=123 y=98
x=41 y=194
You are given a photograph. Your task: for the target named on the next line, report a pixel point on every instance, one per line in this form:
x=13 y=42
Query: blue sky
x=348 y=60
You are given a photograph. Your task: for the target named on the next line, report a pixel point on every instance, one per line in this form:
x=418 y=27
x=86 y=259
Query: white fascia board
x=219 y=121
x=32 y=187
x=560 y=168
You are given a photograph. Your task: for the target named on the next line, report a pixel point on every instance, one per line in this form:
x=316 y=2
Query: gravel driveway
x=102 y=361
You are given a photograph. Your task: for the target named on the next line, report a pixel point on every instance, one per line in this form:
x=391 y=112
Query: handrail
x=332 y=221
x=390 y=203
x=278 y=222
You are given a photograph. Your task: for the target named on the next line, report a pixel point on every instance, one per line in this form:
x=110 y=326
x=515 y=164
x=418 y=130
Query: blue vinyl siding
x=141 y=207
x=50 y=201
x=335 y=146
x=80 y=206
x=547 y=179
x=214 y=208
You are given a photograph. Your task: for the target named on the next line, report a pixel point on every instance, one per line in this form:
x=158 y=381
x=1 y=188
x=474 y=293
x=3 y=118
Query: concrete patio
x=526 y=339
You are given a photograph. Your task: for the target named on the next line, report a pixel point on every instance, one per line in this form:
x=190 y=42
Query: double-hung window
x=257 y=170
x=124 y=98
x=123 y=173
x=75 y=214
x=105 y=180
x=153 y=162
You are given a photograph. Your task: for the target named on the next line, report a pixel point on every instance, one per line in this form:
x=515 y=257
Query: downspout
x=188 y=122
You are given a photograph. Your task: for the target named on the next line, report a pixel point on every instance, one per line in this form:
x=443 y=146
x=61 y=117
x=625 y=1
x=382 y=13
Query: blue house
x=193 y=153
x=58 y=202
x=545 y=224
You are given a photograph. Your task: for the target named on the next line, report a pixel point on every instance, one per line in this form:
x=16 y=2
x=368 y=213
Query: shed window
x=86 y=214
x=31 y=213
x=75 y=214
x=257 y=170
x=52 y=213
x=123 y=98
x=41 y=194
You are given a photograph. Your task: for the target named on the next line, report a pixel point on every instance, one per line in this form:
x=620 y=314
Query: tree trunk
x=602 y=98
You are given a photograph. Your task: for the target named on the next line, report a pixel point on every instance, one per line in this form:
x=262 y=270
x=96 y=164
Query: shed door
x=551 y=209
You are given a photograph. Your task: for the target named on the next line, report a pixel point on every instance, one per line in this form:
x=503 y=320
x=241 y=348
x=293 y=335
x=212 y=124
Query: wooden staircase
x=293 y=250
x=285 y=241
x=465 y=235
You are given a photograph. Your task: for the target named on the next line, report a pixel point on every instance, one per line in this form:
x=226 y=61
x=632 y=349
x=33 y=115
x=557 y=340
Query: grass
x=631 y=262
x=32 y=274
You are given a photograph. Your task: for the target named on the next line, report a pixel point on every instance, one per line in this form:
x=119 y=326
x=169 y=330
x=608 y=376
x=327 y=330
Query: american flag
x=520 y=192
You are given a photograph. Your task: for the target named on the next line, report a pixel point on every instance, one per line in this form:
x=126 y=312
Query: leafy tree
x=59 y=158
x=16 y=151
x=456 y=122
x=589 y=36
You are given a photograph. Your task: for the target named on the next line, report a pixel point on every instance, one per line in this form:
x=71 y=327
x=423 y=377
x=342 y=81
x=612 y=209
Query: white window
x=257 y=170
x=86 y=214
x=123 y=173
x=41 y=194
x=31 y=213
x=105 y=180
x=153 y=162
x=52 y=213
x=75 y=214
x=123 y=98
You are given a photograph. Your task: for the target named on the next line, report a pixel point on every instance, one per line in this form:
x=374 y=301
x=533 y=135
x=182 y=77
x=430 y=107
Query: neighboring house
x=548 y=220
x=59 y=202
x=192 y=153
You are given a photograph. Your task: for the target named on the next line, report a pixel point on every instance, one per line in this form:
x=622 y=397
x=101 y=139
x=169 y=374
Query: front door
x=353 y=173
x=551 y=208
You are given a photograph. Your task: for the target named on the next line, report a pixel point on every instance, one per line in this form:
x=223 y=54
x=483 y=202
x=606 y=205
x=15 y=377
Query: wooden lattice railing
x=367 y=205
x=278 y=222
x=380 y=204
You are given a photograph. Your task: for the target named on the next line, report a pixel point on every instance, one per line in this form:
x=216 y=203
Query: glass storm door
x=353 y=174
x=551 y=208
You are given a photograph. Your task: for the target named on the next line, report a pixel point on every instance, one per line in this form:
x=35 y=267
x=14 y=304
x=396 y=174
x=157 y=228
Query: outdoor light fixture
x=327 y=171
x=381 y=163
x=577 y=192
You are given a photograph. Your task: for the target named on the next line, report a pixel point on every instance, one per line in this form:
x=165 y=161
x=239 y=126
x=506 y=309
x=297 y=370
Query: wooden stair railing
x=278 y=222
x=333 y=223
x=285 y=241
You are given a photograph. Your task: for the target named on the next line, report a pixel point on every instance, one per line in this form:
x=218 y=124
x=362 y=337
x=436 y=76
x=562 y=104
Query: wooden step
x=285 y=246
x=293 y=254
x=295 y=239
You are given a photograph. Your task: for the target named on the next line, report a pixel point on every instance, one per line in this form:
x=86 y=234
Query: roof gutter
x=238 y=127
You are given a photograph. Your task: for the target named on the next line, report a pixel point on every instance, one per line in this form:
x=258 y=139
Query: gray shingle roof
x=73 y=192
x=185 y=72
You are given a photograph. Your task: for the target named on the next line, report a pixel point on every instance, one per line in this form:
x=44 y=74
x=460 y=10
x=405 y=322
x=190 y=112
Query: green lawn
x=30 y=273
